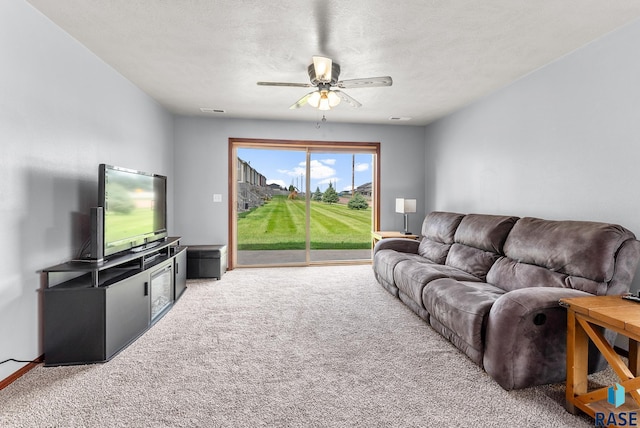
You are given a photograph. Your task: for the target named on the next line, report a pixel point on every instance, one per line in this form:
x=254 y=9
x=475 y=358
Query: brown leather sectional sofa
x=491 y=284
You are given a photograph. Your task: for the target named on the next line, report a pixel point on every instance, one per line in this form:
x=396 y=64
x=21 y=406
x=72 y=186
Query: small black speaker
x=97 y=233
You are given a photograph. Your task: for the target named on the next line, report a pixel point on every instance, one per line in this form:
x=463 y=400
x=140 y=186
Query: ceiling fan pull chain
x=324 y=119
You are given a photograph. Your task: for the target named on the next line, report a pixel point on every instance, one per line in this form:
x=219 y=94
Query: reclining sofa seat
x=491 y=285
x=438 y=230
x=459 y=307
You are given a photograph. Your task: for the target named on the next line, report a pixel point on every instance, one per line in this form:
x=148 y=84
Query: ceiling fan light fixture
x=334 y=99
x=314 y=99
x=324 y=74
x=324 y=101
x=322 y=67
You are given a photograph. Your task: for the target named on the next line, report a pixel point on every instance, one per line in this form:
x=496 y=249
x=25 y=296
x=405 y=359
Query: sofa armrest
x=627 y=260
x=402 y=245
x=526 y=337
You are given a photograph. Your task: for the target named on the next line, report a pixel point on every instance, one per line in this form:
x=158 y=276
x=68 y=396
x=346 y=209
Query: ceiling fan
x=324 y=74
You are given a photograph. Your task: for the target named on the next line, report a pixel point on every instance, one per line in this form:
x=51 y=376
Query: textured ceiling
x=441 y=54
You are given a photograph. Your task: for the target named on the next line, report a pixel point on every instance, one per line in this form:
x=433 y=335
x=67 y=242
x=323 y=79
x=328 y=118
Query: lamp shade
x=405 y=205
x=323 y=99
x=314 y=99
x=334 y=99
x=322 y=67
x=324 y=102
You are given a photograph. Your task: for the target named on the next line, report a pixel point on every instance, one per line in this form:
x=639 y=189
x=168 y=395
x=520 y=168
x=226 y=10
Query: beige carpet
x=283 y=347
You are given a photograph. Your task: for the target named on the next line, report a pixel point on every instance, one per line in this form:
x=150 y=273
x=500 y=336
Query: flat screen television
x=134 y=207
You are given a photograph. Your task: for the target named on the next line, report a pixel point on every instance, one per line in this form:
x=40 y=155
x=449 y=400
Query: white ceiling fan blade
x=347 y=99
x=302 y=101
x=296 y=85
x=322 y=67
x=368 y=82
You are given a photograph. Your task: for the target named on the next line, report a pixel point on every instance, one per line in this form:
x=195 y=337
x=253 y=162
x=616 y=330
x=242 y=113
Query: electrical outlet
x=217 y=197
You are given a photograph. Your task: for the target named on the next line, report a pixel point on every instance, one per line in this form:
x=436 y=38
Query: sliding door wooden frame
x=309 y=146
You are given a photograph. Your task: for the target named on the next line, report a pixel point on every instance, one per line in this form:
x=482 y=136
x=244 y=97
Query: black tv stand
x=107 y=305
x=146 y=247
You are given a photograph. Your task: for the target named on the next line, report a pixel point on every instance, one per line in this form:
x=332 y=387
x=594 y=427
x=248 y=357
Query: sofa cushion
x=385 y=261
x=471 y=260
x=459 y=311
x=438 y=230
x=411 y=276
x=434 y=251
x=509 y=275
x=478 y=242
x=576 y=248
x=486 y=232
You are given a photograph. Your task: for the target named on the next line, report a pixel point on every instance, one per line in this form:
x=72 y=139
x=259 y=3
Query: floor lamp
x=405 y=206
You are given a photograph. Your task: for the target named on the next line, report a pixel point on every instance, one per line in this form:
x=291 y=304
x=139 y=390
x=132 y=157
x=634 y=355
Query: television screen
x=134 y=206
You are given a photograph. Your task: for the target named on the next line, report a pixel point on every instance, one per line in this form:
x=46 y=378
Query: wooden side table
x=378 y=235
x=585 y=316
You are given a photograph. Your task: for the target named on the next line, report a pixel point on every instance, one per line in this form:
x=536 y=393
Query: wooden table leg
x=577 y=361
x=634 y=363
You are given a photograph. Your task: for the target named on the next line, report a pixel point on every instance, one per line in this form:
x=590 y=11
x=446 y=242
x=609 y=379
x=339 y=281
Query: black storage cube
x=206 y=261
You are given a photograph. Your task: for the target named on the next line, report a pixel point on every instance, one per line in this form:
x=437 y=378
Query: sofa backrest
x=478 y=243
x=598 y=258
x=438 y=231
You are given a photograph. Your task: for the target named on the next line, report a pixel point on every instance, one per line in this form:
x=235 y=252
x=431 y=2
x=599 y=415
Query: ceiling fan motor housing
x=335 y=73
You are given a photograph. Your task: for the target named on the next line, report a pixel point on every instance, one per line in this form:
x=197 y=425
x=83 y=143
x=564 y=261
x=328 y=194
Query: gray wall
x=62 y=112
x=201 y=168
x=560 y=143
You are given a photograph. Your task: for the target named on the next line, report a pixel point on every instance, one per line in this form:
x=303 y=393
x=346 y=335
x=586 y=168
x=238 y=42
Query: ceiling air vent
x=212 y=110
x=399 y=118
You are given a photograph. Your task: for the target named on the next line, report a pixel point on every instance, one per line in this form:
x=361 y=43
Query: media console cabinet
x=93 y=310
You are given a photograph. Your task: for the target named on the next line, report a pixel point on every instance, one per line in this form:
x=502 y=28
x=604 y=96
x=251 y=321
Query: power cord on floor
x=37 y=360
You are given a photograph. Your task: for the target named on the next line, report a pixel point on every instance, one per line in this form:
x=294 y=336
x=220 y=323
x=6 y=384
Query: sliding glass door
x=271 y=212
x=341 y=214
x=297 y=203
